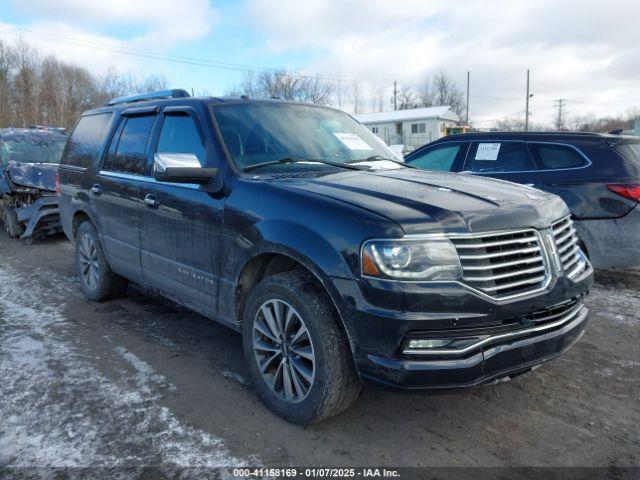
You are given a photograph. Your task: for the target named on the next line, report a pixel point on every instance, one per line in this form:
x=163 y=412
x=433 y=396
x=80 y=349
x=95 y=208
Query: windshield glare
x=256 y=133
x=32 y=150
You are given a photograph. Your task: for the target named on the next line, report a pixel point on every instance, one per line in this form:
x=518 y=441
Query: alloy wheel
x=284 y=350
x=88 y=257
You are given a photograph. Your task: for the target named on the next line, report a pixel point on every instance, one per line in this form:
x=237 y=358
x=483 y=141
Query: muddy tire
x=11 y=224
x=297 y=355
x=97 y=280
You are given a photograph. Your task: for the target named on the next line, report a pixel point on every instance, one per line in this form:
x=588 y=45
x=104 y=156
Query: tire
x=319 y=387
x=97 y=280
x=11 y=224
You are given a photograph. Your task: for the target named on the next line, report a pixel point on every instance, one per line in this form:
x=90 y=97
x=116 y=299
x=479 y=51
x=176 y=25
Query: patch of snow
x=233 y=376
x=145 y=372
x=59 y=410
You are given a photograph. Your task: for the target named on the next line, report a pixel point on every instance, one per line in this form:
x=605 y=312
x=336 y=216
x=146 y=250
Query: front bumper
x=42 y=217
x=500 y=357
x=381 y=316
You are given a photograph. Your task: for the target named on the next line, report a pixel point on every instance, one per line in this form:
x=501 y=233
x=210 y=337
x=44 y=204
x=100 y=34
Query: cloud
x=92 y=33
x=164 y=22
x=579 y=50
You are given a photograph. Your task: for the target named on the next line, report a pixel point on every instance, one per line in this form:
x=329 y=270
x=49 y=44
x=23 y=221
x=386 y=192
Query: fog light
x=427 y=343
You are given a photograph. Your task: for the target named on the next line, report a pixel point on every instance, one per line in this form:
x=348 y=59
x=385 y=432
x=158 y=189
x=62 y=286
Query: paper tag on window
x=487 y=151
x=352 y=141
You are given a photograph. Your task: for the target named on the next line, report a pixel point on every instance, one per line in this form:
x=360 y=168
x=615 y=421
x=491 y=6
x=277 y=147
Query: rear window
x=488 y=157
x=630 y=151
x=553 y=157
x=32 y=148
x=84 y=143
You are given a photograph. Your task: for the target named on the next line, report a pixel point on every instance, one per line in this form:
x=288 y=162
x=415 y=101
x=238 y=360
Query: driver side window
x=440 y=158
x=180 y=134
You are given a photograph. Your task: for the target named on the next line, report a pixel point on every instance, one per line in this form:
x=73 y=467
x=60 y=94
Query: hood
x=36 y=175
x=429 y=202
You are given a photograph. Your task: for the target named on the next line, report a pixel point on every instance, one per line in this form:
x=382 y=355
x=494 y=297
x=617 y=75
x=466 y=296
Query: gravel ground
x=139 y=381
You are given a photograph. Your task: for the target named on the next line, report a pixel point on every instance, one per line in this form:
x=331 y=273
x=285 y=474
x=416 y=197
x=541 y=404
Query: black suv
x=292 y=224
x=598 y=176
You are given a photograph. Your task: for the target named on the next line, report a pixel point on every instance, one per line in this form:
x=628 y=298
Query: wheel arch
x=277 y=259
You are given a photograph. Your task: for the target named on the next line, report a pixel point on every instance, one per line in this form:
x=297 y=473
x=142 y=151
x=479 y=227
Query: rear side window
x=84 y=143
x=499 y=157
x=438 y=158
x=554 y=157
x=128 y=155
x=180 y=135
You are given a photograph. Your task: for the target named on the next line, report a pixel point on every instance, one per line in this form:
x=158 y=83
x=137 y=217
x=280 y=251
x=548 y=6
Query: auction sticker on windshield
x=352 y=141
x=487 y=151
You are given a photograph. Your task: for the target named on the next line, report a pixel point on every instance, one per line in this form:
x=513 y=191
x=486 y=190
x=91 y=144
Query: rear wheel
x=11 y=224
x=298 y=356
x=97 y=280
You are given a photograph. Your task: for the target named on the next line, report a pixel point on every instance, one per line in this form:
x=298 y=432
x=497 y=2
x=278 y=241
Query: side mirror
x=181 y=168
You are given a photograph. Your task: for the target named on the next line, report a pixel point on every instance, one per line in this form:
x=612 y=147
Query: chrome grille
x=503 y=264
x=566 y=240
x=550 y=314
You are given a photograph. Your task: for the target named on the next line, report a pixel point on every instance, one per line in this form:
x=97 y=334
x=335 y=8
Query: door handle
x=96 y=189
x=151 y=201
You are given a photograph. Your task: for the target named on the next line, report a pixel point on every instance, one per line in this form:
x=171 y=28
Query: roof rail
x=175 y=93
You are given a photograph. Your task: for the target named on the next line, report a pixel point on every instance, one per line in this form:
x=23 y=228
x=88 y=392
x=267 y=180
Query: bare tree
x=406 y=98
x=425 y=93
x=590 y=123
x=7 y=65
x=356 y=97
x=285 y=85
x=49 y=91
x=509 y=124
x=440 y=90
x=377 y=97
x=24 y=82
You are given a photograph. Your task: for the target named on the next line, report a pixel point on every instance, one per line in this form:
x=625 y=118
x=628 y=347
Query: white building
x=413 y=127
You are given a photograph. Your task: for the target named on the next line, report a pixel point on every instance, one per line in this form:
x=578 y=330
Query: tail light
x=58 y=184
x=630 y=191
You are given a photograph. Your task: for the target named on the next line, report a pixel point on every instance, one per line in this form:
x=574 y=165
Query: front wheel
x=298 y=357
x=11 y=224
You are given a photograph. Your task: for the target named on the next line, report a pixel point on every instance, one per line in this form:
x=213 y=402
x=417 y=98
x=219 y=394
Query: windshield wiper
x=285 y=160
x=380 y=158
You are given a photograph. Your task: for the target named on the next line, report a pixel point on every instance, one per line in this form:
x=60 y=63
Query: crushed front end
x=28 y=201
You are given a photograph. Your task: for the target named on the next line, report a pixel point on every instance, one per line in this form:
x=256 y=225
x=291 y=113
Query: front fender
x=289 y=239
x=304 y=244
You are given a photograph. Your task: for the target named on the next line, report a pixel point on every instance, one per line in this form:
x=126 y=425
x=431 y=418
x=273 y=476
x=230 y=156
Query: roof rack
x=175 y=93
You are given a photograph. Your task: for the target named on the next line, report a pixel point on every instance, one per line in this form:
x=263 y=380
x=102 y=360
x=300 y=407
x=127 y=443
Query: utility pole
x=526 y=108
x=560 y=103
x=466 y=122
x=395 y=95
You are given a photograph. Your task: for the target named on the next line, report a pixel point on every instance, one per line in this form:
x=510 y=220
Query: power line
x=19 y=31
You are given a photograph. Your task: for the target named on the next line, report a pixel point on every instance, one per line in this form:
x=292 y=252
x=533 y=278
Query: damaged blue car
x=29 y=159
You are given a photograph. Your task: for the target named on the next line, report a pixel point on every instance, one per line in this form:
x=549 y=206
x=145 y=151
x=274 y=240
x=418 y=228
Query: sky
x=586 y=52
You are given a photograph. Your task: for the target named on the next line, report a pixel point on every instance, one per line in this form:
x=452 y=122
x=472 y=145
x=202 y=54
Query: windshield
x=256 y=133
x=32 y=149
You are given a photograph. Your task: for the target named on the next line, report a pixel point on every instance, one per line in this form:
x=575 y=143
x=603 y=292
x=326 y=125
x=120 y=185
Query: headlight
x=429 y=259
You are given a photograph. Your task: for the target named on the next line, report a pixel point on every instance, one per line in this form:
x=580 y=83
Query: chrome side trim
x=146 y=179
x=575 y=317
